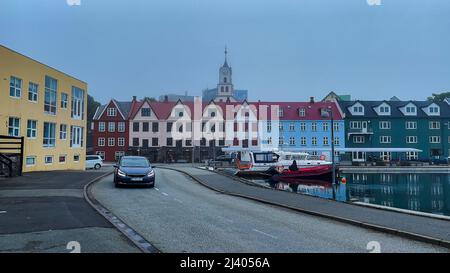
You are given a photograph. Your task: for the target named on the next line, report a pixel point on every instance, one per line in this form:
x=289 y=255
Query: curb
x=400 y=233
x=355 y=203
x=126 y=230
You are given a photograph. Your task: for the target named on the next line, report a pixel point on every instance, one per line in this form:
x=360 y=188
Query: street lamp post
x=332 y=148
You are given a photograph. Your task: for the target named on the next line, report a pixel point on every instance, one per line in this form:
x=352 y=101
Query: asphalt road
x=46 y=212
x=179 y=215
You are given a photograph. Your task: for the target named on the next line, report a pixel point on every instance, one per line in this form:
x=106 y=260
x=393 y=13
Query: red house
x=111 y=130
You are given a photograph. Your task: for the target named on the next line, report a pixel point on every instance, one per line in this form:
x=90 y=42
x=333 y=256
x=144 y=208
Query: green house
x=396 y=125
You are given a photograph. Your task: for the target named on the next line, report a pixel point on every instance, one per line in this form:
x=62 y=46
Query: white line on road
x=2 y=211
x=156 y=189
x=178 y=200
x=165 y=194
x=270 y=235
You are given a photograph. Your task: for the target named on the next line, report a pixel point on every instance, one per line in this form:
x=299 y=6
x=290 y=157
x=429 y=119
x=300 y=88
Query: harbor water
x=424 y=192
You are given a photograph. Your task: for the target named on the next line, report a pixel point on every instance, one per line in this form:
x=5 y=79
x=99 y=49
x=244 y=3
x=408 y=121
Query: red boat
x=322 y=172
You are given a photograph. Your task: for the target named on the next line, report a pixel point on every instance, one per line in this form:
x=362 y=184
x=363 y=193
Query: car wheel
x=97 y=166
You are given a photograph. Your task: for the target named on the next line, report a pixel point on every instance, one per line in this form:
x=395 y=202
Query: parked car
x=134 y=170
x=439 y=160
x=94 y=162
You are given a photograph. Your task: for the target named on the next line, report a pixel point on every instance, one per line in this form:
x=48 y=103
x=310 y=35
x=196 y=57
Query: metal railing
x=11 y=154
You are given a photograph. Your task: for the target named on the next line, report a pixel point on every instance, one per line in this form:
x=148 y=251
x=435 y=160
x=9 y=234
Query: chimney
x=311 y=99
x=166 y=98
x=134 y=98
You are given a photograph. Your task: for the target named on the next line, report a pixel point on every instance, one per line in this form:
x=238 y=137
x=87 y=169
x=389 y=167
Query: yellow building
x=47 y=108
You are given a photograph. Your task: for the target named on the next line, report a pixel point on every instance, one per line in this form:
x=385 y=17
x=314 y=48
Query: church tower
x=225 y=85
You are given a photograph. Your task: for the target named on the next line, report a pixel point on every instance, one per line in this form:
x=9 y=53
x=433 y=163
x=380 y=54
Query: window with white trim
x=111 y=141
x=280 y=112
x=15 y=87
x=314 y=141
x=302 y=112
x=64 y=100
x=434 y=125
x=325 y=126
x=118 y=155
x=77 y=111
x=385 y=125
x=325 y=141
x=111 y=112
x=412 y=155
x=411 y=125
x=121 y=126
x=51 y=86
x=280 y=141
x=101 y=141
x=63 y=131
x=32 y=91
x=31 y=128
x=435 y=139
x=336 y=126
x=14 y=127
x=411 y=139
x=101 y=126
x=385 y=139
x=358 y=139
x=302 y=126
x=48 y=159
x=292 y=141
x=314 y=126
x=303 y=141
x=269 y=126
x=121 y=141
x=291 y=127
x=49 y=134
x=337 y=141
x=76 y=136
x=111 y=126
x=30 y=160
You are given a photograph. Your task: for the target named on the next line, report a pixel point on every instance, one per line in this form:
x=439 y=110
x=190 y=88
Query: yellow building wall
x=29 y=70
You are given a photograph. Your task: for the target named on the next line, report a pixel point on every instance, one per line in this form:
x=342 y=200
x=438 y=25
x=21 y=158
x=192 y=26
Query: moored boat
x=322 y=172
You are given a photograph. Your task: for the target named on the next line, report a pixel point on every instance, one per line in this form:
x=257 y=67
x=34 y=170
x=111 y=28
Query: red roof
x=162 y=110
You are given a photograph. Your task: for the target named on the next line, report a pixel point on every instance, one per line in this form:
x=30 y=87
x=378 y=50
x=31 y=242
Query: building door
x=359 y=156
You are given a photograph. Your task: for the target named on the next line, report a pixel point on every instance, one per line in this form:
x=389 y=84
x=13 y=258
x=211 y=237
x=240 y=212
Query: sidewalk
x=428 y=229
x=44 y=211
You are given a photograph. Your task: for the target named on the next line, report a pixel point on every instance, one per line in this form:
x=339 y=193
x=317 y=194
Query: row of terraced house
x=177 y=130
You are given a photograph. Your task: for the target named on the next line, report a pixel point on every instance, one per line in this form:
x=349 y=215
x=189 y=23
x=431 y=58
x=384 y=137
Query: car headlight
x=120 y=173
x=151 y=173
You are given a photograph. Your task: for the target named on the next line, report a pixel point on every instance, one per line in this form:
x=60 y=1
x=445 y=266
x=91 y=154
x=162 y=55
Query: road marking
x=156 y=189
x=270 y=235
x=178 y=200
x=2 y=211
x=165 y=194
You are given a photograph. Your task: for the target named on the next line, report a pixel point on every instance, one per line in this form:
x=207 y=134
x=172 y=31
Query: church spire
x=226 y=53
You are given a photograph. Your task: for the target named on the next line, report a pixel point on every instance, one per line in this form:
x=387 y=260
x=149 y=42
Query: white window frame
x=30 y=157
x=385 y=139
x=111 y=141
x=303 y=141
x=63 y=133
x=314 y=141
x=47 y=157
x=51 y=135
x=101 y=142
x=385 y=125
x=121 y=126
x=52 y=92
x=76 y=136
x=359 y=139
x=325 y=141
x=292 y=127
x=33 y=90
x=411 y=139
x=302 y=112
x=64 y=100
x=292 y=141
x=15 y=87
x=314 y=126
x=434 y=125
x=409 y=123
x=111 y=112
x=14 y=129
x=101 y=126
x=121 y=141
x=31 y=131
x=77 y=111
x=111 y=126
x=435 y=139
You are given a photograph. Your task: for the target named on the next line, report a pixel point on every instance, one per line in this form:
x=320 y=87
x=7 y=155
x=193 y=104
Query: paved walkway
x=395 y=221
x=44 y=211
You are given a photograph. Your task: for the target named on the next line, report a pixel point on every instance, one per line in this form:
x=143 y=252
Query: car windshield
x=135 y=162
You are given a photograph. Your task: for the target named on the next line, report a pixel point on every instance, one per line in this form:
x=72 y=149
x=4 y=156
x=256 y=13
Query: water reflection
x=419 y=192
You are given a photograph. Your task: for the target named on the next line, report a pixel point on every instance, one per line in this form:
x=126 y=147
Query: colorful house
x=45 y=106
x=423 y=125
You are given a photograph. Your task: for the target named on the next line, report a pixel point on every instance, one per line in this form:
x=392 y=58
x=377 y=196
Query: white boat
x=249 y=161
